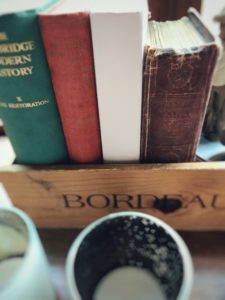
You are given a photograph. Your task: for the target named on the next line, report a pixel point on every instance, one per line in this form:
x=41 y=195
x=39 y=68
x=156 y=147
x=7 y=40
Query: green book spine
x=27 y=101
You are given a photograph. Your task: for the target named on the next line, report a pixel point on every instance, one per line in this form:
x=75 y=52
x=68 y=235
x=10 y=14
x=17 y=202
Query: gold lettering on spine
x=3 y=36
x=17 y=47
x=3 y=105
x=16 y=72
x=28 y=104
x=24 y=105
x=19 y=99
x=15 y=60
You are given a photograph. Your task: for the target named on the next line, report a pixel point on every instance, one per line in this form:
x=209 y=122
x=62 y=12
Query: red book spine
x=68 y=46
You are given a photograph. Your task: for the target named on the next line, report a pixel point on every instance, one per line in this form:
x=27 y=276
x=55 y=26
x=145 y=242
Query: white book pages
x=118 y=45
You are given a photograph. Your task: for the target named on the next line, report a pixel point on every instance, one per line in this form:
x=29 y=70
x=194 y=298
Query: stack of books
x=96 y=81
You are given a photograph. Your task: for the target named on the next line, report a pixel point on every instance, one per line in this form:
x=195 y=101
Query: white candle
x=13 y=245
x=129 y=283
x=8 y=268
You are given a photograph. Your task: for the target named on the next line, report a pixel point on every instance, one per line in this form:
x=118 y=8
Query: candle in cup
x=13 y=246
x=8 y=268
x=129 y=283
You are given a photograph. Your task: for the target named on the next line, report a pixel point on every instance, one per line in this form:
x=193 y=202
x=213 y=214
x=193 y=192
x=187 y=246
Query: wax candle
x=129 y=283
x=13 y=245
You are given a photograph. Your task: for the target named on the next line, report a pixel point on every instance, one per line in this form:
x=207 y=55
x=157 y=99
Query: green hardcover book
x=27 y=101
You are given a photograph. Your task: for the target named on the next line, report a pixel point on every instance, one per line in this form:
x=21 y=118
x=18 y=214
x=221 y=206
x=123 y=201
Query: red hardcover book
x=179 y=62
x=68 y=46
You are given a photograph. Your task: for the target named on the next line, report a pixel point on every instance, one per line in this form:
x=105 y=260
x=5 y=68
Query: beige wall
x=209 y=9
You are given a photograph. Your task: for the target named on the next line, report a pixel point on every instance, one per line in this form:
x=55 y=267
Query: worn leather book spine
x=27 y=101
x=68 y=46
x=175 y=96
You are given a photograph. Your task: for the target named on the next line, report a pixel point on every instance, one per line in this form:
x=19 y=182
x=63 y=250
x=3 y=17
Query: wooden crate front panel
x=187 y=196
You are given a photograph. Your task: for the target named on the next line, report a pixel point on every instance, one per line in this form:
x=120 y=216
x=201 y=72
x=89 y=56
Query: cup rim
x=31 y=241
x=188 y=269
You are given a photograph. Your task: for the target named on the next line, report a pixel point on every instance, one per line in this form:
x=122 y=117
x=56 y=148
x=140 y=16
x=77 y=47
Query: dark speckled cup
x=129 y=239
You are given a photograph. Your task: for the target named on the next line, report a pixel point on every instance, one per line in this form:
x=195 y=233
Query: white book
x=119 y=34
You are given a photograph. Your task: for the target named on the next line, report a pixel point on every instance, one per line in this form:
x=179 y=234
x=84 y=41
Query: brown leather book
x=179 y=62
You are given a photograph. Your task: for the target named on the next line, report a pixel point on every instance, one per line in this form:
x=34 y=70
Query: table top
x=207 y=250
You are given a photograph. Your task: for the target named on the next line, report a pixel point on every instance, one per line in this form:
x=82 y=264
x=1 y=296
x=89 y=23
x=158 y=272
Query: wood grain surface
x=188 y=196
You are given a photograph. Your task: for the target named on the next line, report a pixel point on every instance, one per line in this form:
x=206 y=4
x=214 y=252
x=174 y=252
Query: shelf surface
x=207 y=250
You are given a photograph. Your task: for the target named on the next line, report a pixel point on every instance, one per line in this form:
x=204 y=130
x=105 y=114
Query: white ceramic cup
x=24 y=273
x=129 y=239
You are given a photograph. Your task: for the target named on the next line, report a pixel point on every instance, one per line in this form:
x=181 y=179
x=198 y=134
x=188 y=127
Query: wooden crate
x=189 y=196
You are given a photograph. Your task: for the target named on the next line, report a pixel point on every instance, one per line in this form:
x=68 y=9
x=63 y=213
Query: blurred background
x=162 y=10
